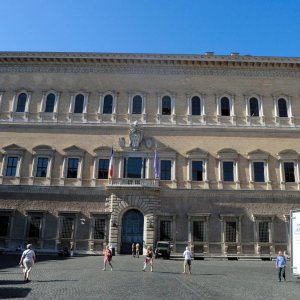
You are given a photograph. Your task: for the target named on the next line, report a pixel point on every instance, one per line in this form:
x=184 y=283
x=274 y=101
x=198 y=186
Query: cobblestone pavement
x=83 y=278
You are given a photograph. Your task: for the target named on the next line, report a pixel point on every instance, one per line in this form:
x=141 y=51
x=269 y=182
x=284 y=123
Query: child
x=149 y=259
x=280 y=264
x=107 y=258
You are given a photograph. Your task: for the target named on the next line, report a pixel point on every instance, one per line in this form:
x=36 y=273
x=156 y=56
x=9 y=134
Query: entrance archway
x=132 y=230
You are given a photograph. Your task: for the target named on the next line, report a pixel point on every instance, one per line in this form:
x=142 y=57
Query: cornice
x=207 y=64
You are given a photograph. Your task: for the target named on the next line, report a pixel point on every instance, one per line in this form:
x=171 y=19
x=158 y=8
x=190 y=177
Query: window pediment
x=288 y=154
x=43 y=149
x=227 y=153
x=258 y=154
x=197 y=153
x=14 y=148
x=74 y=150
x=102 y=150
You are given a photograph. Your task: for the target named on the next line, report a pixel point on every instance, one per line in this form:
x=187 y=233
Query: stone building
x=226 y=130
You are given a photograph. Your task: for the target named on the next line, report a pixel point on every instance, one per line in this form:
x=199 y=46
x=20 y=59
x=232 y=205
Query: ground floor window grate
x=198 y=231
x=165 y=230
x=67 y=228
x=230 y=234
x=263 y=232
x=99 y=229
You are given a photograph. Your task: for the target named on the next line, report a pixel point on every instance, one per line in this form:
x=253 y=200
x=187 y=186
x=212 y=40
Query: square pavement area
x=53 y=277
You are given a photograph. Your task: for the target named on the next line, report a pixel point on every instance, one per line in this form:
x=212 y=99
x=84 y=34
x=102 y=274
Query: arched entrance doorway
x=132 y=230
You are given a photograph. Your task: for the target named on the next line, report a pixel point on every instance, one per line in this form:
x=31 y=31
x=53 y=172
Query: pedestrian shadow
x=10 y=282
x=55 y=280
x=13 y=293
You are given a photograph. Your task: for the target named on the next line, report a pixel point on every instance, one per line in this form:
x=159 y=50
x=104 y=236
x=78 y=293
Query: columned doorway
x=132 y=230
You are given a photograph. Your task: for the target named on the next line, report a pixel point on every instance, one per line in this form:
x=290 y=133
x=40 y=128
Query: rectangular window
x=289 y=172
x=99 y=229
x=72 y=168
x=259 y=171
x=67 y=227
x=228 y=171
x=103 y=168
x=197 y=171
x=42 y=165
x=230 y=234
x=12 y=163
x=165 y=230
x=263 y=232
x=165 y=169
x=198 y=231
x=34 y=227
x=134 y=167
x=4 y=224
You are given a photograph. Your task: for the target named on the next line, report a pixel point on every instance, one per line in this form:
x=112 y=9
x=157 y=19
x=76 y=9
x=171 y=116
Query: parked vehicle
x=163 y=249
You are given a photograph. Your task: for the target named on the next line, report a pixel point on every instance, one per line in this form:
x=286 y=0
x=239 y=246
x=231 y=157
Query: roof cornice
x=207 y=59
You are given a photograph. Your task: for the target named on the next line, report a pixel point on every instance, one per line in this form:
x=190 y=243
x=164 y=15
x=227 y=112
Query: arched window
x=166 y=105
x=137 y=104
x=225 y=107
x=254 y=107
x=79 y=102
x=108 y=104
x=196 y=106
x=282 y=108
x=50 y=102
x=21 y=102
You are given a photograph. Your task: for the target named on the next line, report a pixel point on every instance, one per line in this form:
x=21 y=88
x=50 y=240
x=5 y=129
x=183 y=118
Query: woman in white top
x=27 y=260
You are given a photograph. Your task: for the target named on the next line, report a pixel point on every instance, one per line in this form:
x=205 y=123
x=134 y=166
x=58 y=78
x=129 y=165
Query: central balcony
x=133 y=182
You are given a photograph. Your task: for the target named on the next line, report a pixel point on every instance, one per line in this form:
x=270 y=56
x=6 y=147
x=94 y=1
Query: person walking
x=133 y=249
x=280 y=265
x=148 y=259
x=27 y=260
x=187 y=254
x=137 y=250
x=107 y=258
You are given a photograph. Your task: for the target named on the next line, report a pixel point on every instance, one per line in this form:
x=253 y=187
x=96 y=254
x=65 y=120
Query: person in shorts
x=27 y=260
x=148 y=259
x=187 y=254
x=107 y=258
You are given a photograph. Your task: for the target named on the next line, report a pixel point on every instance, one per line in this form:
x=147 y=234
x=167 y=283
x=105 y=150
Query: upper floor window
x=166 y=105
x=72 y=170
x=137 y=104
x=11 y=167
x=108 y=104
x=134 y=167
x=165 y=169
x=254 y=107
x=196 y=106
x=228 y=174
x=79 y=104
x=21 y=103
x=259 y=171
x=103 y=168
x=42 y=166
x=289 y=171
x=225 y=106
x=282 y=108
x=50 y=103
x=197 y=171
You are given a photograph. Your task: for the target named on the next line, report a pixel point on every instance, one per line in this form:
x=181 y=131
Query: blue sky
x=256 y=27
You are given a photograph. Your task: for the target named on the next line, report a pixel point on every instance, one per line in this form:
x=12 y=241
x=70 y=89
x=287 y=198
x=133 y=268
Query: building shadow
x=13 y=293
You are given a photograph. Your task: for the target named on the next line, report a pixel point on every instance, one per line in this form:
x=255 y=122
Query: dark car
x=163 y=249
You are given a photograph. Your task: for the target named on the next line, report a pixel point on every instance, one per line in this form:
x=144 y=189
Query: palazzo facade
x=225 y=130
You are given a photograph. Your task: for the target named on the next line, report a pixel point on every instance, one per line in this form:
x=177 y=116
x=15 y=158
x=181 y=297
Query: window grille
x=67 y=228
x=198 y=231
x=165 y=230
x=4 y=223
x=263 y=232
x=99 y=229
x=230 y=234
x=34 y=227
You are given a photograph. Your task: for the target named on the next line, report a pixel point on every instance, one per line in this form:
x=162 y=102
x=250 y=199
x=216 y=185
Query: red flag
x=111 y=164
